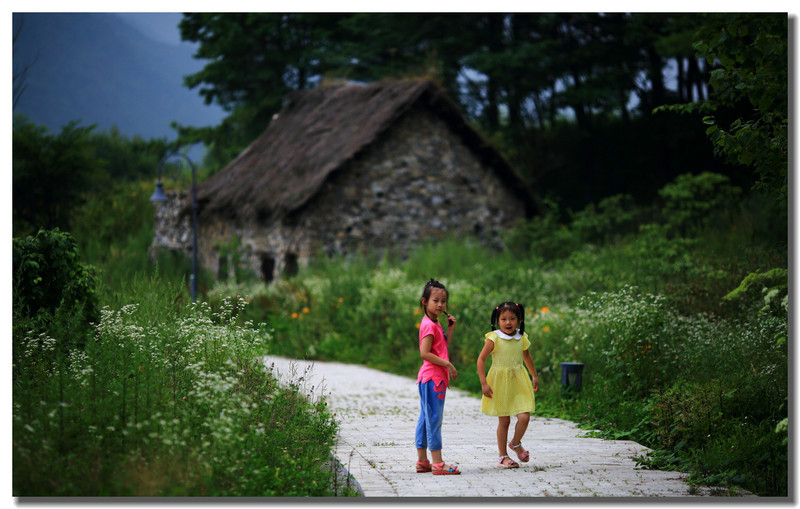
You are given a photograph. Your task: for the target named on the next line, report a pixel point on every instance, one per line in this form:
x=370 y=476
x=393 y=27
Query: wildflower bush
x=669 y=361
x=164 y=401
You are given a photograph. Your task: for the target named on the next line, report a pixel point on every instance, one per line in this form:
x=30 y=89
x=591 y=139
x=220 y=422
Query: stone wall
x=419 y=184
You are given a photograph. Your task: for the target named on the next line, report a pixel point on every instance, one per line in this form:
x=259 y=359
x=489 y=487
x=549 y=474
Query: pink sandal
x=524 y=456
x=513 y=463
x=442 y=469
x=423 y=466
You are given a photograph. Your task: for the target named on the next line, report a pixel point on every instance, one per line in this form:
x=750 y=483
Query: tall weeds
x=164 y=400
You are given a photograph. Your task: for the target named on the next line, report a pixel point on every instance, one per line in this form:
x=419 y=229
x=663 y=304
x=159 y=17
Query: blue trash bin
x=571 y=376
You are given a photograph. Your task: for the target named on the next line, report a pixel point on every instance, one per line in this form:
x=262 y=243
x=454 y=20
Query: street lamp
x=160 y=196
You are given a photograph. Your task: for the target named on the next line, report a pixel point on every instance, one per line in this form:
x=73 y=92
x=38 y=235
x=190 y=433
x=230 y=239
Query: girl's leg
x=429 y=426
x=422 y=455
x=502 y=434
x=421 y=435
x=435 y=416
x=502 y=439
x=523 y=420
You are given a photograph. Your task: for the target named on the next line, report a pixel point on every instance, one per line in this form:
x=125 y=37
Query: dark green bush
x=49 y=280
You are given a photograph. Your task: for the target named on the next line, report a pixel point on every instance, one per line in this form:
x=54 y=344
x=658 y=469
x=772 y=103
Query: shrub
x=49 y=280
x=691 y=201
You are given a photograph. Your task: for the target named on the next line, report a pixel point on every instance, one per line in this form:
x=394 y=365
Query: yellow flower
x=417 y=311
x=546 y=328
x=306 y=310
x=341 y=299
x=294 y=315
x=418 y=324
x=545 y=309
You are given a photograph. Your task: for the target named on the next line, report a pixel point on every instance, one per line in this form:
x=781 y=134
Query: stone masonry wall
x=419 y=184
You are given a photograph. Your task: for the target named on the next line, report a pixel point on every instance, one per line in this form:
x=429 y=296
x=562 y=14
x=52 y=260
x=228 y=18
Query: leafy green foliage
x=773 y=286
x=691 y=201
x=55 y=174
x=49 y=279
x=50 y=175
x=127 y=159
x=750 y=52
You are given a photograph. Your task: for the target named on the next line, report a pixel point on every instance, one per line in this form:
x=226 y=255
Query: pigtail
x=522 y=319
x=494 y=317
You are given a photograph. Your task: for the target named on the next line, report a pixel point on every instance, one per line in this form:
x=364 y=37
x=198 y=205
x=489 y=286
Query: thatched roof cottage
x=346 y=168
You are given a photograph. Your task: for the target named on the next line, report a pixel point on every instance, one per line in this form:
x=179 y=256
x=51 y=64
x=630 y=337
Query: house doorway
x=267 y=267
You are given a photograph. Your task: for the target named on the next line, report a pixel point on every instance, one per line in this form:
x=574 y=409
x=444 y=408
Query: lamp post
x=160 y=196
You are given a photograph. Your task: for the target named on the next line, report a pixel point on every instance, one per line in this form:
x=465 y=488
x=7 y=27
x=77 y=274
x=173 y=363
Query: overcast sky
x=161 y=26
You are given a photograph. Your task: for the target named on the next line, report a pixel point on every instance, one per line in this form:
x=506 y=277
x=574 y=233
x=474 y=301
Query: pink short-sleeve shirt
x=430 y=371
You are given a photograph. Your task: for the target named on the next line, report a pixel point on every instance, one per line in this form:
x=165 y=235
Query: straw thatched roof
x=317 y=132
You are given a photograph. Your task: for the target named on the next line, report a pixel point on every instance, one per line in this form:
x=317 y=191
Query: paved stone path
x=378 y=413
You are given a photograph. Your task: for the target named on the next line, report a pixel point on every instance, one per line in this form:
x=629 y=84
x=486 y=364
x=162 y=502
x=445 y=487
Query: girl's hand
x=487 y=391
x=453 y=371
x=451 y=320
x=535 y=383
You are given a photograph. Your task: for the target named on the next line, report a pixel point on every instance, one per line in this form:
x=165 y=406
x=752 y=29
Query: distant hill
x=97 y=69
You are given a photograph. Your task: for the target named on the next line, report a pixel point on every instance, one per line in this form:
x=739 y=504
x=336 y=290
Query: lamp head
x=159 y=195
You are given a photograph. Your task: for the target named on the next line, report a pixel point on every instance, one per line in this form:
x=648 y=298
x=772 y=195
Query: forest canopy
x=567 y=97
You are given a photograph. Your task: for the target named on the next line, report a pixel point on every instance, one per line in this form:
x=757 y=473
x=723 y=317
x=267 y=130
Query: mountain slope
x=97 y=69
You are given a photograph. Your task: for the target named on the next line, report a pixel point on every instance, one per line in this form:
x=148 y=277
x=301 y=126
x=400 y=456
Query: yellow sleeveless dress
x=512 y=390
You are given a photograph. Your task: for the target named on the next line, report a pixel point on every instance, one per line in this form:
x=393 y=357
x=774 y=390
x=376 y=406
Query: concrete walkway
x=378 y=414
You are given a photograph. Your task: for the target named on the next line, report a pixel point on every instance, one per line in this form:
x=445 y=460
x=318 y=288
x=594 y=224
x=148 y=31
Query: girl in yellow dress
x=507 y=389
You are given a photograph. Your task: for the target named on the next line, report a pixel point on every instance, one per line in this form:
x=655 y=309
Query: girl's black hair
x=517 y=309
x=426 y=292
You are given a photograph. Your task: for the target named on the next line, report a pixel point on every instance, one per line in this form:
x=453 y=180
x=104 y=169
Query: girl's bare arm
x=425 y=346
x=488 y=347
x=526 y=357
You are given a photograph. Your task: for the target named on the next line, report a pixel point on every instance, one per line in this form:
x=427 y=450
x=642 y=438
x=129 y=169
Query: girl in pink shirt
x=433 y=379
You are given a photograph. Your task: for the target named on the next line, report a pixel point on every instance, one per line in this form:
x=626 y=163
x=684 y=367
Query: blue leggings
x=429 y=426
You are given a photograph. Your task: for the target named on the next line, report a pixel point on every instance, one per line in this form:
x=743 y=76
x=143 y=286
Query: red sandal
x=510 y=464
x=423 y=466
x=523 y=456
x=442 y=469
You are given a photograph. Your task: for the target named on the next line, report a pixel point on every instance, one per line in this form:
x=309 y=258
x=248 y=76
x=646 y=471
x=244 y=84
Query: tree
x=254 y=60
x=525 y=79
x=50 y=174
x=749 y=53
x=20 y=74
